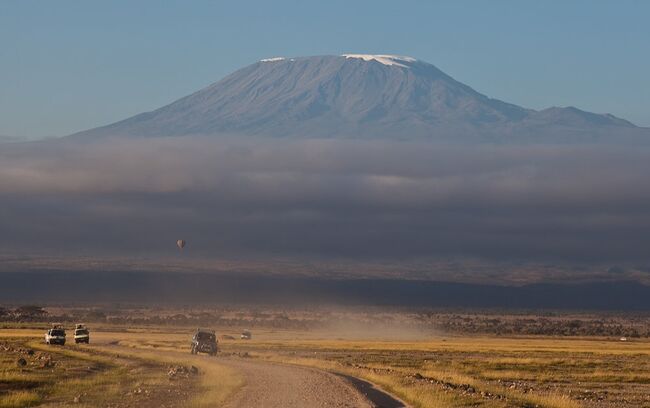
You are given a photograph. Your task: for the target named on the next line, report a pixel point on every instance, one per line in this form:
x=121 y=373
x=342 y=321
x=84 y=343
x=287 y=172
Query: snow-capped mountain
x=359 y=96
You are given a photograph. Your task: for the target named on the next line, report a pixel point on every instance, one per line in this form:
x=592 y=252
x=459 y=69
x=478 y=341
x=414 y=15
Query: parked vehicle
x=246 y=335
x=56 y=335
x=81 y=334
x=204 y=341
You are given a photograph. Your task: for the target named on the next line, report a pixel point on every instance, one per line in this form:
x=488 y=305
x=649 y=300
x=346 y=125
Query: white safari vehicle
x=81 y=334
x=56 y=335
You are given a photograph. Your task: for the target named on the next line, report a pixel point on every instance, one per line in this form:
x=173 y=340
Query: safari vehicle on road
x=204 y=341
x=56 y=335
x=81 y=334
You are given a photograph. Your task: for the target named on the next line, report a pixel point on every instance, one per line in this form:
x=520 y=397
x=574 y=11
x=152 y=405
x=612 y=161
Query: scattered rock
x=176 y=372
x=47 y=363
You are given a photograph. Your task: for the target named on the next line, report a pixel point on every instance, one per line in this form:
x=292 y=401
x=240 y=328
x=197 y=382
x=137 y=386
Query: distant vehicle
x=81 y=334
x=180 y=244
x=56 y=335
x=246 y=335
x=204 y=341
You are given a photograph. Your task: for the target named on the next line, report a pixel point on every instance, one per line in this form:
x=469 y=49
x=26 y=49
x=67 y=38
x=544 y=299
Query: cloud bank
x=327 y=199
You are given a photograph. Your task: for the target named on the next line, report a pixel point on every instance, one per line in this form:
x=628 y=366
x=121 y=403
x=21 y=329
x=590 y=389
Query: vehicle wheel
x=193 y=350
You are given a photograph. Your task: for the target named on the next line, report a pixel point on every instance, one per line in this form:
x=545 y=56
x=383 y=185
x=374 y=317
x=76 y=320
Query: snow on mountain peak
x=383 y=59
x=360 y=96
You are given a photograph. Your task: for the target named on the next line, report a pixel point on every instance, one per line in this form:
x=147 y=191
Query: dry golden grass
x=502 y=372
x=478 y=344
x=19 y=399
x=81 y=373
x=217 y=382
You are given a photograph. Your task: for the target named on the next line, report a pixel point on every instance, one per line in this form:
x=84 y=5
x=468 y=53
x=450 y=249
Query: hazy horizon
x=330 y=166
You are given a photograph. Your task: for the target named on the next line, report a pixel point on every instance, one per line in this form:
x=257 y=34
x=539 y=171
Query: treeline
x=32 y=313
x=210 y=320
x=630 y=326
x=27 y=313
x=476 y=324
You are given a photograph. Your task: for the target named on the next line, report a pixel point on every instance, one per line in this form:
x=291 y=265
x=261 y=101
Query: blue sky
x=66 y=66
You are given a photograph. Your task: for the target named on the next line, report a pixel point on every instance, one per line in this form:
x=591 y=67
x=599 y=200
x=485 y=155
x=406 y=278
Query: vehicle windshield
x=58 y=332
x=81 y=331
x=203 y=336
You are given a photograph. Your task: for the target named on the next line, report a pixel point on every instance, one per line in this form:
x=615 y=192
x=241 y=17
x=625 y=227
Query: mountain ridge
x=358 y=96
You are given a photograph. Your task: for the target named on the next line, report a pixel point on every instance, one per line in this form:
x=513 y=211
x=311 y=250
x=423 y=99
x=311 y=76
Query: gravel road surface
x=275 y=385
x=272 y=385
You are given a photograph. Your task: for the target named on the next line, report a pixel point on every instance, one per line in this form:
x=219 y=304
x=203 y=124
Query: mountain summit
x=358 y=96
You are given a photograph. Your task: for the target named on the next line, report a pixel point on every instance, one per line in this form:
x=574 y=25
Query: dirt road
x=280 y=386
x=274 y=385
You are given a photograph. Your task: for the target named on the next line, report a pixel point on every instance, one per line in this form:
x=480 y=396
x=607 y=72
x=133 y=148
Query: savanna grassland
x=487 y=360
x=96 y=375
x=465 y=371
x=485 y=371
x=32 y=373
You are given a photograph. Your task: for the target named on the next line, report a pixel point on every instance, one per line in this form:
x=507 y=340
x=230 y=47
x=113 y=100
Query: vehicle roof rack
x=205 y=330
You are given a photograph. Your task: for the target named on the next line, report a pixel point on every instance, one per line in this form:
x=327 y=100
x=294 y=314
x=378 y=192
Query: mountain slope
x=355 y=96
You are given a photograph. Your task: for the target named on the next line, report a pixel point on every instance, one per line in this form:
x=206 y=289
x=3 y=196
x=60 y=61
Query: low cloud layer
x=327 y=199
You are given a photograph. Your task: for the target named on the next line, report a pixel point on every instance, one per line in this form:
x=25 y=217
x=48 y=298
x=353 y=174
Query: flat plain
x=129 y=365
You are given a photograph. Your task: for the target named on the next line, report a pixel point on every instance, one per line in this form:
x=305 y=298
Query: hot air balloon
x=180 y=244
